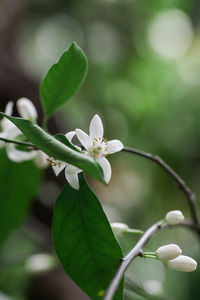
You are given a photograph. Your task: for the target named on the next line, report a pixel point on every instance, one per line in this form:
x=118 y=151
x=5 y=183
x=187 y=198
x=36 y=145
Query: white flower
x=8 y=129
x=119 y=228
x=97 y=146
x=71 y=172
x=168 y=252
x=174 y=217
x=182 y=263
x=26 y=109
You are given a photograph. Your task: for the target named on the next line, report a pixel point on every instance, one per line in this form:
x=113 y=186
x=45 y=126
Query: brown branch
x=137 y=250
x=181 y=183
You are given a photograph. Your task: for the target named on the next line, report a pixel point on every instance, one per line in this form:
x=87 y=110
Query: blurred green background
x=144 y=82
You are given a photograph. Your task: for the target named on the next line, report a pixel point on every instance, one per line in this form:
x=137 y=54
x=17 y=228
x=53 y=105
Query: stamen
x=53 y=163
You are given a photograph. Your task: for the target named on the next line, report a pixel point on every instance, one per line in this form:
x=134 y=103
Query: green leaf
x=19 y=182
x=84 y=241
x=54 y=148
x=63 y=79
x=62 y=138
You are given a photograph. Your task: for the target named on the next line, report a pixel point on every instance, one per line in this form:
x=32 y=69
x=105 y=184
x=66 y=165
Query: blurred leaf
x=84 y=241
x=139 y=290
x=19 y=182
x=63 y=79
x=54 y=148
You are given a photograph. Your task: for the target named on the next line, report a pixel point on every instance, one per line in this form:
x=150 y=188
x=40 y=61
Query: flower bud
x=39 y=263
x=174 y=217
x=182 y=263
x=26 y=109
x=41 y=159
x=119 y=228
x=168 y=252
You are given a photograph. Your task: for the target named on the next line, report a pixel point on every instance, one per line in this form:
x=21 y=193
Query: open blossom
x=26 y=110
x=71 y=172
x=168 y=252
x=97 y=146
x=174 y=217
x=182 y=263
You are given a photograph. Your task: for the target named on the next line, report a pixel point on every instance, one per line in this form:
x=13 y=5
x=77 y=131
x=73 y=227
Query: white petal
x=96 y=127
x=5 y=123
x=18 y=155
x=115 y=146
x=26 y=109
x=9 y=108
x=73 y=180
x=83 y=138
x=2 y=135
x=69 y=135
x=12 y=131
x=104 y=163
x=41 y=159
x=60 y=165
x=70 y=169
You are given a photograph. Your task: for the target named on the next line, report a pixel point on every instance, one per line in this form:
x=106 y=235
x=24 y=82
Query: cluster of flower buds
x=171 y=254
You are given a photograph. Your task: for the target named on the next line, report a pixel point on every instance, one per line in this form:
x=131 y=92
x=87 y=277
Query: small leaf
x=54 y=148
x=63 y=79
x=62 y=138
x=84 y=240
x=19 y=182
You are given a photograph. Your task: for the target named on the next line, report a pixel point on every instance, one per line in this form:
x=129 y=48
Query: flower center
x=99 y=147
x=53 y=162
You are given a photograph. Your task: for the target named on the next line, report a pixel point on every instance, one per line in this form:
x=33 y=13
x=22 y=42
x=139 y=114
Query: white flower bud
x=119 y=228
x=40 y=263
x=41 y=159
x=182 y=263
x=174 y=217
x=26 y=109
x=168 y=252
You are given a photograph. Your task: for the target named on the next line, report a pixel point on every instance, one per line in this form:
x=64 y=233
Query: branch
x=181 y=183
x=137 y=251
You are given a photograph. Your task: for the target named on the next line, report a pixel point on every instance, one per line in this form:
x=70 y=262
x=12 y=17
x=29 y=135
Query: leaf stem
x=136 y=231
x=180 y=182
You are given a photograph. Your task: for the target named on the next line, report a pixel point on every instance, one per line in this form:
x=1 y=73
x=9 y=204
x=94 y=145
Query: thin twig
x=137 y=251
x=181 y=183
x=17 y=142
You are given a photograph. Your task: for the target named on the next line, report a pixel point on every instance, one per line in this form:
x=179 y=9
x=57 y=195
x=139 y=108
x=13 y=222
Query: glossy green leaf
x=19 y=182
x=63 y=79
x=54 y=148
x=84 y=241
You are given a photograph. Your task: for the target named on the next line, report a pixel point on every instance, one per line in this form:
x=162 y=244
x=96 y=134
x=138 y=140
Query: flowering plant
x=82 y=235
